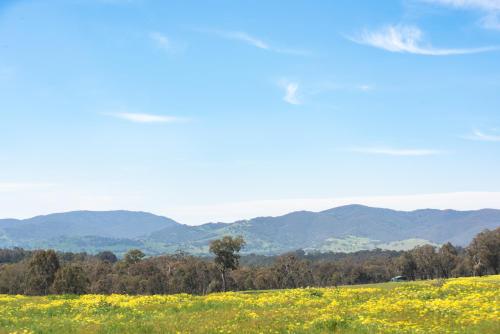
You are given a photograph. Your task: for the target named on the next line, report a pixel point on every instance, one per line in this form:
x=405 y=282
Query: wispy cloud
x=395 y=151
x=162 y=41
x=146 y=118
x=254 y=41
x=295 y=93
x=489 y=8
x=366 y=87
x=491 y=21
x=291 y=92
x=482 y=136
x=244 y=37
x=165 y=43
x=408 y=39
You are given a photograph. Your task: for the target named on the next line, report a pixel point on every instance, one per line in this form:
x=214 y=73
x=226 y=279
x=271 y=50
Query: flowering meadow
x=461 y=305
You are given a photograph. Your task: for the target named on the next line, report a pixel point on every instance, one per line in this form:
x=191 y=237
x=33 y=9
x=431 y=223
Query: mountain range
x=342 y=229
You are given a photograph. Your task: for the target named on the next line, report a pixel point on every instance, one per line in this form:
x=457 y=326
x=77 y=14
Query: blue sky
x=220 y=110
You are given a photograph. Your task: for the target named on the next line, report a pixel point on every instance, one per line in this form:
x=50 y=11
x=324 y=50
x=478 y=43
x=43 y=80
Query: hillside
x=347 y=228
x=114 y=224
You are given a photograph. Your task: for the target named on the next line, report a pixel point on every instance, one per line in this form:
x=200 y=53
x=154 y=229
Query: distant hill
x=113 y=224
x=347 y=228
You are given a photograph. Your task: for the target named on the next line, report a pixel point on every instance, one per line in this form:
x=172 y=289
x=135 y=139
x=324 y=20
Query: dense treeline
x=45 y=271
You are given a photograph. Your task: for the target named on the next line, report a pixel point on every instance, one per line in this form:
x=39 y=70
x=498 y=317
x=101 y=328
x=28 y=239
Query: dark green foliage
x=41 y=272
x=71 y=279
x=107 y=256
x=407 y=265
x=226 y=251
x=290 y=272
x=133 y=256
x=12 y=278
x=427 y=261
x=484 y=251
x=13 y=255
x=447 y=257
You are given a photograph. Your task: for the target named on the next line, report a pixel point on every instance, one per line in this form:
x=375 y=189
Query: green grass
x=465 y=305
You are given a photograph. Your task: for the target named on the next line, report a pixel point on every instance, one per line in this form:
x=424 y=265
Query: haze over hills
x=115 y=224
x=346 y=228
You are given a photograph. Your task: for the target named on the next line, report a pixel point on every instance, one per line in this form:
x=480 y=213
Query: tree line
x=43 y=272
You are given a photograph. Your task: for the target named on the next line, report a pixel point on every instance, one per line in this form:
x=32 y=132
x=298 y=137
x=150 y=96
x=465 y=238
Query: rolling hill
x=346 y=228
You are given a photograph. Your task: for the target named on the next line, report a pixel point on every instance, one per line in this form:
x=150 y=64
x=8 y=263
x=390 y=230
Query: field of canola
x=463 y=305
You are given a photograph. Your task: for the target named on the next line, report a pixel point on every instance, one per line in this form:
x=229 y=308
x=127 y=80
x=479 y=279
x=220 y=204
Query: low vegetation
x=463 y=305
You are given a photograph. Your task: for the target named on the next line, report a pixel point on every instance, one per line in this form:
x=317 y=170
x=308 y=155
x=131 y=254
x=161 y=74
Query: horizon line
x=313 y=205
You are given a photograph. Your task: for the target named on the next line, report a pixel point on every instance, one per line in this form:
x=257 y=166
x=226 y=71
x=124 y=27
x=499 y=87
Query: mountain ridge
x=349 y=227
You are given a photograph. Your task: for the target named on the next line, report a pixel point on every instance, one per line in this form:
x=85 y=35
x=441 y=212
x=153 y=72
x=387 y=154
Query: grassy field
x=464 y=305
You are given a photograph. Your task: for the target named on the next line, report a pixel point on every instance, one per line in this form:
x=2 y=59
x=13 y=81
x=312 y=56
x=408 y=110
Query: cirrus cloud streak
x=146 y=118
x=242 y=36
x=482 y=136
x=409 y=39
